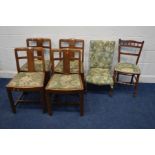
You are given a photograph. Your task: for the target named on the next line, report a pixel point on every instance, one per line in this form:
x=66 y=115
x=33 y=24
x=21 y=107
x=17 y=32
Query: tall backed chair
x=45 y=43
x=100 y=62
x=128 y=48
x=66 y=82
x=28 y=81
x=72 y=44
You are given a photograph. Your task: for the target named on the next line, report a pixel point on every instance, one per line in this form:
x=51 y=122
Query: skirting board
x=7 y=74
x=143 y=78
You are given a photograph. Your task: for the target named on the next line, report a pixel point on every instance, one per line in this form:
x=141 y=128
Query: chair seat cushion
x=27 y=80
x=74 y=68
x=127 y=68
x=65 y=82
x=99 y=76
x=38 y=66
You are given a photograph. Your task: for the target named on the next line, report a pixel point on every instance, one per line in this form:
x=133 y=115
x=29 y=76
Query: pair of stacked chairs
x=34 y=75
x=66 y=65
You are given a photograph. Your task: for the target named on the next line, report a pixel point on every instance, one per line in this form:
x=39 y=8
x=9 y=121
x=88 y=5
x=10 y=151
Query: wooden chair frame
x=30 y=57
x=40 y=43
x=65 y=56
x=134 y=77
x=72 y=44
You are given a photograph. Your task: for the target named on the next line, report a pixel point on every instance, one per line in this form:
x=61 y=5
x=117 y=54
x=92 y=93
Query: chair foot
x=14 y=110
x=135 y=92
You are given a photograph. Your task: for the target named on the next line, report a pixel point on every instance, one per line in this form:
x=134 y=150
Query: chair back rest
x=66 y=58
x=39 y=42
x=130 y=48
x=72 y=43
x=101 y=54
x=30 y=54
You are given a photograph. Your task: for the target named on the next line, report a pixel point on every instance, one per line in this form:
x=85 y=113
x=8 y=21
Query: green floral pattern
x=38 y=66
x=74 y=67
x=27 y=80
x=127 y=68
x=65 y=82
x=101 y=56
x=100 y=76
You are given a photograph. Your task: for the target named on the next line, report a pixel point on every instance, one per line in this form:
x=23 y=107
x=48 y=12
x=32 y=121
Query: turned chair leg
x=13 y=107
x=136 y=86
x=81 y=104
x=49 y=106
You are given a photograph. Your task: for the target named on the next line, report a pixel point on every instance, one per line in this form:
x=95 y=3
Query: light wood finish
x=65 y=56
x=134 y=77
x=30 y=56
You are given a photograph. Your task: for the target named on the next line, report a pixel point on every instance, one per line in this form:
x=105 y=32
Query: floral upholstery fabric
x=74 y=67
x=38 y=66
x=101 y=56
x=65 y=82
x=101 y=53
x=127 y=68
x=100 y=76
x=27 y=80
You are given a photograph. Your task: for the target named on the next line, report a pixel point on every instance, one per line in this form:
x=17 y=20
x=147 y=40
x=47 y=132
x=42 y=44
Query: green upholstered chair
x=100 y=62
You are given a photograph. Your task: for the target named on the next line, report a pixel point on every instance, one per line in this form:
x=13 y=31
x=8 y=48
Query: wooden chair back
x=30 y=54
x=66 y=58
x=131 y=45
x=73 y=44
x=39 y=42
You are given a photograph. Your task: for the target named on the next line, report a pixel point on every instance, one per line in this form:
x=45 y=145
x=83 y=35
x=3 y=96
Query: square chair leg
x=49 y=106
x=13 y=107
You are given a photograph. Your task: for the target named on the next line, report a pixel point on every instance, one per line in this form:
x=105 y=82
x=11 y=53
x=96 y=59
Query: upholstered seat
x=100 y=62
x=127 y=68
x=73 y=67
x=27 y=80
x=38 y=66
x=99 y=76
x=65 y=82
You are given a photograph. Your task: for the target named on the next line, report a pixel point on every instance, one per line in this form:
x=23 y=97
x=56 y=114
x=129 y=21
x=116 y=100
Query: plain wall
x=11 y=37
